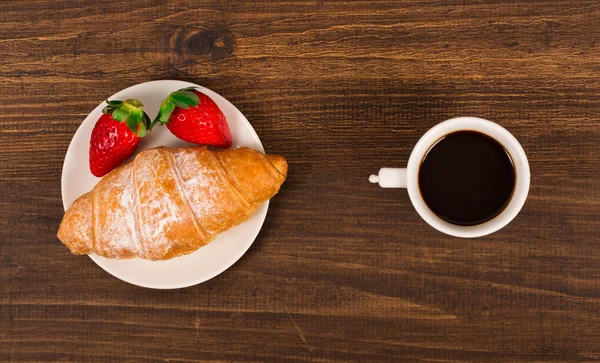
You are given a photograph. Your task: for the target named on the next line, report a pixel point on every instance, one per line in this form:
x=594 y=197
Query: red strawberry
x=116 y=135
x=194 y=117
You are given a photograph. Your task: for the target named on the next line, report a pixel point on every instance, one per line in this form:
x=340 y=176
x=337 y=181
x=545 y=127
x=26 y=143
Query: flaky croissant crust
x=170 y=202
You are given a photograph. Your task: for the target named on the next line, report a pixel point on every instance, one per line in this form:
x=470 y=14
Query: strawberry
x=194 y=117
x=116 y=135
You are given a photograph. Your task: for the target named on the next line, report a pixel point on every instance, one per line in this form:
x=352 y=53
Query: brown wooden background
x=342 y=270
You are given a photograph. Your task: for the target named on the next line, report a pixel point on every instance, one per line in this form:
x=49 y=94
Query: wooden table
x=342 y=270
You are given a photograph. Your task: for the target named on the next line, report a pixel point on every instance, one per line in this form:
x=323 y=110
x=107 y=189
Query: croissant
x=170 y=202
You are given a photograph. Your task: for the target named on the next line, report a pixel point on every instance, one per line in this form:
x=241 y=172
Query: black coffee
x=466 y=178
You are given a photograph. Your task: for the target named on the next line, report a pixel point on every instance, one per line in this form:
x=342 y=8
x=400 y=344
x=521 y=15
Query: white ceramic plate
x=208 y=261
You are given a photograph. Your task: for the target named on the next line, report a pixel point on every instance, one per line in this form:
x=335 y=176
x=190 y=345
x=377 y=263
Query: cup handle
x=390 y=178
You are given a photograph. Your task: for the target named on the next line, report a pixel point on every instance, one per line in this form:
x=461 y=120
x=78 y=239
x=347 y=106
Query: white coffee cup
x=408 y=177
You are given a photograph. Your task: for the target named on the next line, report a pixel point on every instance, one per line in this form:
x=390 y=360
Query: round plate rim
x=202 y=279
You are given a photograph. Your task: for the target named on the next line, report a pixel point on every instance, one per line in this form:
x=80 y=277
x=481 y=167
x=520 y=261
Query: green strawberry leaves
x=136 y=125
x=120 y=115
x=165 y=112
x=131 y=112
x=147 y=121
x=111 y=105
x=182 y=98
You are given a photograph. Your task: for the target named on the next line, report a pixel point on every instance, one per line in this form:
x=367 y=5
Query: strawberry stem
x=131 y=112
x=133 y=105
x=183 y=98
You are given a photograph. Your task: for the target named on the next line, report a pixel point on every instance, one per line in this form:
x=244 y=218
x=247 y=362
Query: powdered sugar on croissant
x=170 y=202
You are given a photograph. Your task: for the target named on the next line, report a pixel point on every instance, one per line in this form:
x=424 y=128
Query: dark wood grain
x=342 y=270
